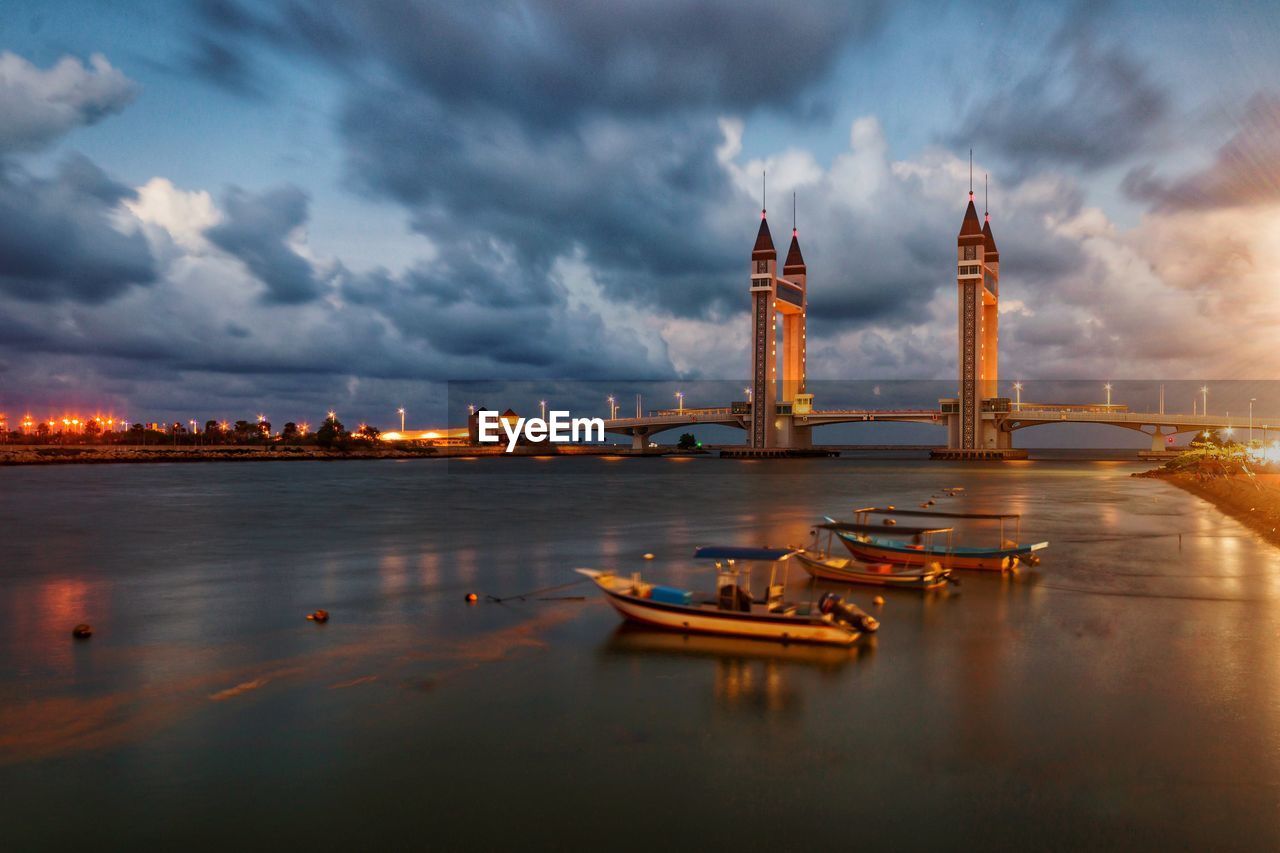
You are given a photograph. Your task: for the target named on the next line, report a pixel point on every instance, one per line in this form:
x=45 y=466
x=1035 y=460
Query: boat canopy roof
x=733 y=552
x=928 y=513
x=848 y=527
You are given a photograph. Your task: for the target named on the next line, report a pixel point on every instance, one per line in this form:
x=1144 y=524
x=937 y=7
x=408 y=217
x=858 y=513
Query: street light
x=1017 y=390
x=613 y=408
x=401 y=411
x=680 y=402
x=1252 y=400
x=1204 y=405
x=749 y=394
x=543 y=404
x=1108 y=387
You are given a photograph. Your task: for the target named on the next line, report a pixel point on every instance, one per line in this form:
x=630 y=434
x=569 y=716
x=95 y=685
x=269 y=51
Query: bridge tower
x=792 y=301
x=777 y=301
x=972 y=421
x=764 y=338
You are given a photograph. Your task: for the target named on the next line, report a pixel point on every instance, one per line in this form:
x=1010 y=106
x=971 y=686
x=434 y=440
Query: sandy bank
x=1252 y=500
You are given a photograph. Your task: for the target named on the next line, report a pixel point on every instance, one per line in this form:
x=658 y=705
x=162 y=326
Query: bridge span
x=1159 y=425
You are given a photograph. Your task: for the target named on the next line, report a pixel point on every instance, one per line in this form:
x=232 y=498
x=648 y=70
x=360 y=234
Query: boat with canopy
x=821 y=563
x=734 y=610
x=885 y=543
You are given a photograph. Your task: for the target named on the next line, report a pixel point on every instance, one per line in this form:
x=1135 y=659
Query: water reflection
x=751 y=676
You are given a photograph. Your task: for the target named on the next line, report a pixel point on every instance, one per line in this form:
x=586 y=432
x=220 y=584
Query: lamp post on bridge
x=1252 y=400
x=1108 y=387
x=401 y=411
x=1204 y=405
x=1017 y=391
x=543 y=404
x=680 y=402
x=613 y=408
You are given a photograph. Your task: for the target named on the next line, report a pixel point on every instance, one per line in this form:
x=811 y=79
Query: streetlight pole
x=680 y=402
x=543 y=404
x=401 y=411
x=1017 y=391
x=1252 y=400
x=1204 y=405
x=613 y=408
x=1108 y=387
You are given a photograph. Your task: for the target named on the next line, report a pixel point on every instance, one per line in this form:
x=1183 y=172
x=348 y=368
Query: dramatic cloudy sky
x=217 y=208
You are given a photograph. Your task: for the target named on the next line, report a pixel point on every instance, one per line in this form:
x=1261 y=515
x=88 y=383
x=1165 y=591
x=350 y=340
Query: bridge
x=1159 y=425
x=779 y=415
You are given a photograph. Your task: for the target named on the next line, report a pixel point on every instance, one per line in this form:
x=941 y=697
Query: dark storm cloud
x=225 y=66
x=57 y=240
x=551 y=62
x=1244 y=172
x=551 y=127
x=1087 y=104
x=256 y=229
x=639 y=197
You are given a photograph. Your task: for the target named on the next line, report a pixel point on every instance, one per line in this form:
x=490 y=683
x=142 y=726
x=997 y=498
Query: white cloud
x=39 y=105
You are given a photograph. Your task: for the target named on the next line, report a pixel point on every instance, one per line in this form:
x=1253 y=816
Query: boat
x=885 y=543
x=819 y=562
x=734 y=612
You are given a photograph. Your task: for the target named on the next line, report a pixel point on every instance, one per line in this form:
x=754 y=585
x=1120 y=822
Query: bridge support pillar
x=791 y=434
x=639 y=439
x=1157 y=440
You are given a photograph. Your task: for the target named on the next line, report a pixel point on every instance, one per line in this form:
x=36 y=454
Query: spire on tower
x=795 y=258
x=988 y=238
x=971 y=225
x=970 y=174
x=763 y=250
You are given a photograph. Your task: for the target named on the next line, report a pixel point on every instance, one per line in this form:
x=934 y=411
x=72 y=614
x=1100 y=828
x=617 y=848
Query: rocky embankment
x=1250 y=496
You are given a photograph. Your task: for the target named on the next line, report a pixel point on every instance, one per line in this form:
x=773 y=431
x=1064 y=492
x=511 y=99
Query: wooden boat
x=886 y=544
x=734 y=612
x=821 y=564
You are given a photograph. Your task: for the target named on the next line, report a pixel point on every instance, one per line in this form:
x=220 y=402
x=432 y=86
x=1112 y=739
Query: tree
x=290 y=432
x=92 y=428
x=42 y=430
x=688 y=441
x=369 y=432
x=331 y=432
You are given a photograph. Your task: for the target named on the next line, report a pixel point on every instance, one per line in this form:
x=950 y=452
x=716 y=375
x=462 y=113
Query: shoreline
x=16 y=455
x=117 y=454
x=1252 y=501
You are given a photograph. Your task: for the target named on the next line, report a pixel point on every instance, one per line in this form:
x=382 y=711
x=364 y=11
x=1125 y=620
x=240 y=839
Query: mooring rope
x=525 y=595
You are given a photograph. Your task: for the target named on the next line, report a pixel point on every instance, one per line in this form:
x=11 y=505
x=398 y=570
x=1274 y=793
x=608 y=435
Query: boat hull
x=703 y=620
x=992 y=561
x=898 y=578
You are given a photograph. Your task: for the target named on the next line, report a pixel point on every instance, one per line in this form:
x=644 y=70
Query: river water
x=1125 y=694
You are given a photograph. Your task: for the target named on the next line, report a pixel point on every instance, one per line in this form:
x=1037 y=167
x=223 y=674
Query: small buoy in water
x=648 y=556
x=472 y=598
x=83 y=631
x=889 y=522
x=319 y=616
x=878 y=601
